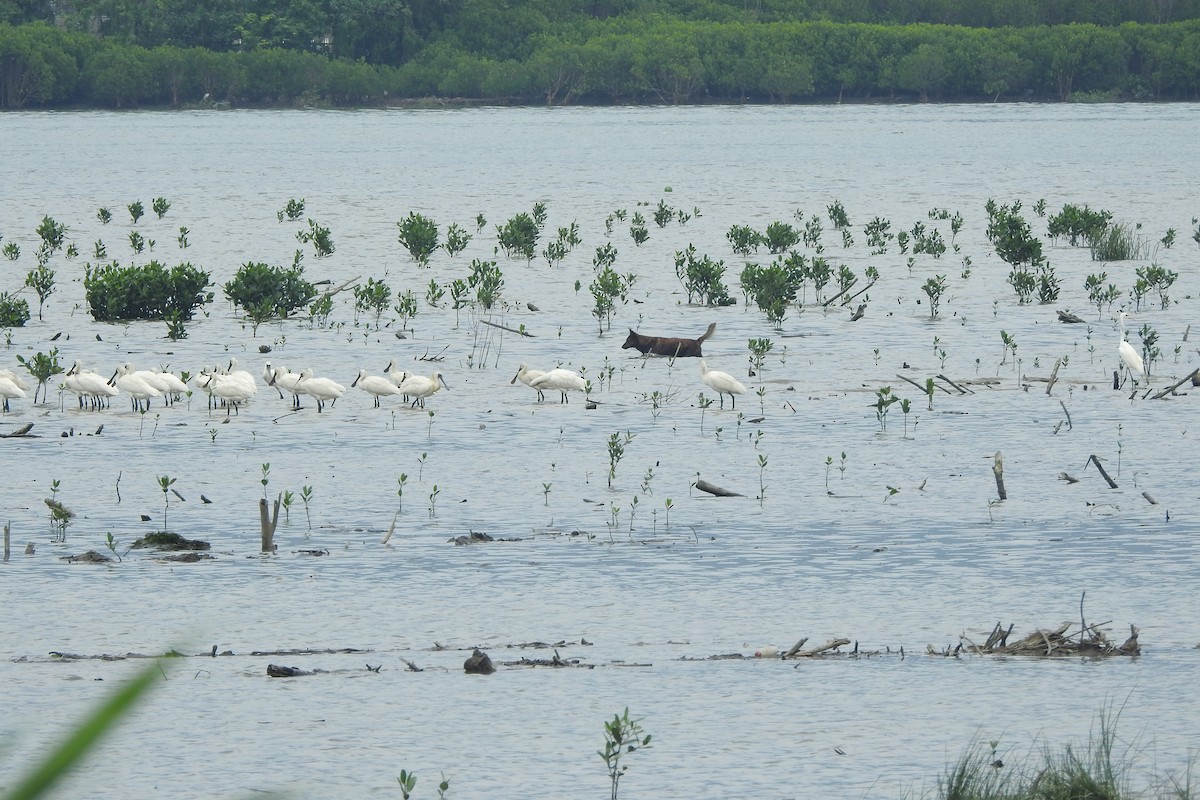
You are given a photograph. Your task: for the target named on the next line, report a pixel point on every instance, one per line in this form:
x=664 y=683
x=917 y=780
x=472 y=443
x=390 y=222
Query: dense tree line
x=604 y=56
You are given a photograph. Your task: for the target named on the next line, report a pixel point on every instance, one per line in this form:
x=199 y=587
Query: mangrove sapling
x=433 y=501
x=704 y=403
x=934 y=288
x=929 y=387
x=42 y=368
x=406 y=308
x=546 y=494
x=623 y=736
x=165 y=483
x=616 y=451
x=288 y=498
x=883 y=402
x=104 y=215
x=1010 y=343
x=99 y=251
x=111 y=544
x=12 y=251
x=419 y=235
x=457 y=239
x=14 y=313
x=668 y=504
x=320 y=237
x=842 y=466
x=633 y=504
x=60 y=515
x=52 y=234
x=293 y=211
x=761 y=391
x=266 y=477
x=372 y=296
x=403 y=479
x=762 y=487
x=905 y=406
x=136 y=210
x=637 y=229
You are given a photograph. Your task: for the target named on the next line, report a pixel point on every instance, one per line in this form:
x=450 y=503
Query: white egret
x=9 y=391
x=1129 y=357
x=722 y=383
x=419 y=387
x=323 y=390
x=375 y=385
x=564 y=380
x=527 y=376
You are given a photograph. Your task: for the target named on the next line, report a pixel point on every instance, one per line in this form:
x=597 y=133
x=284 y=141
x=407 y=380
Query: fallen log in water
x=705 y=486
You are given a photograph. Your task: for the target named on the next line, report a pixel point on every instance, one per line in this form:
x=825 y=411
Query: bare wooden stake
x=1149 y=499
x=1068 y=413
x=267 y=523
x=391 y=528
x=1053 y=375
x=998 y=471
x=1103 y=472
x=7 y=531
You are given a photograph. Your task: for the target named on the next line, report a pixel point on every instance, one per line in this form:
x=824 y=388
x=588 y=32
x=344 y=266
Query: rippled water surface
x=898 y=544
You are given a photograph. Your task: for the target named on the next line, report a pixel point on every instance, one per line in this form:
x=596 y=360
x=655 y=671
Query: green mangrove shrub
x=457 y=239
x=519 y=236
x=702 y=278
x=277 y=291
x=774 y=287
x=419 y=235
x=1079 y=225
x=744 y=240
x=320 y=237
x=150 y=291
x=14 y=311
x=372 y=296
x=41 y=280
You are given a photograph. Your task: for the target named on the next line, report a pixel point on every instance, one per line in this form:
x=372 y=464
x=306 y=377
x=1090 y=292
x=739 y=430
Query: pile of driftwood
x=1089 y=641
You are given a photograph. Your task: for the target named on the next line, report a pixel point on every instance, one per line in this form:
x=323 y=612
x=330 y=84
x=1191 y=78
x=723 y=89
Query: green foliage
x=934 y=288
x=519 y=236
x=780 y=237
x=457 y=239
x=372 y=296
x=1118 y=243
x=406 y=307
x=623 y=737
x=136 y=210
x=42 y=368
x=104 y=215
x=744 y=240
x=702 y=278
x=1078 y=225
x=281 y=291
x=150 y=291
x=1099 y=294
x=294 y=210
x=487 y=280
x=320 y=309
x=12 y=251
x=774 y=288
x=1048 y=285
x=606 y=256
x=1024 y=283
x=605 y=289
x=14 y=311
x=637 y=229
x=883 y=401
x=160 y=205
x=663 y=214
x=52 y=233
x=1010 y=234
x=419 y=235
x=41 y=280
x=837 y=215
x=1158 y=278
x=321 y=238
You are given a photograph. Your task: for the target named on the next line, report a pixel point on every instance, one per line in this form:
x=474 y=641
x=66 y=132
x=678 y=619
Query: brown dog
x=668 y=345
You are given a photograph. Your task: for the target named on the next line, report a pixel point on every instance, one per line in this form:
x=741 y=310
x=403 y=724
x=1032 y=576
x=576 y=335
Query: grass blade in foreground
x=56 y=765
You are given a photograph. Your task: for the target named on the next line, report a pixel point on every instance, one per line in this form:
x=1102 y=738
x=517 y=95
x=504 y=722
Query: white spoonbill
x=1129 y=356
x=323 y=390
x=15 y=378
x=564 y=380
x=89 y=384
x=268 y=377
x=135 y=386
x=419 y=387
x=282 y=376
x=375 y=385
x=242 y=376
x=722 y=383
x=9 y=391
x=228 y=389
x=527 y=376
x=397 y=375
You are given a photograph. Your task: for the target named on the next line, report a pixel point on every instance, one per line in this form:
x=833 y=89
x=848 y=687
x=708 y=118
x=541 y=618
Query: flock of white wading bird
x=231 y=387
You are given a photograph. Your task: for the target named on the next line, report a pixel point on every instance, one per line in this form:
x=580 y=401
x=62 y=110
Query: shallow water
x=825 y=553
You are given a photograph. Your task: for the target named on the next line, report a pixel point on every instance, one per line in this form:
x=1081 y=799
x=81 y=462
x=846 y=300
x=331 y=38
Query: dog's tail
x=712 y=326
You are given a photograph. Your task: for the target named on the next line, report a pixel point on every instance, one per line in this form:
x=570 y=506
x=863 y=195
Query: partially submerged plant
x=623 y=736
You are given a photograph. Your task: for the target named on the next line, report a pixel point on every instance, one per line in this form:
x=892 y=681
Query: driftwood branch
x=1170 y=389
x=1067 y=316
x=1092 y=459
x=998 y=471
x=506 y=328
x=961 y=389
x=267 y=523
x=705 y=486
x=1053 y=375
x=21 y=431
x=832 y=644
